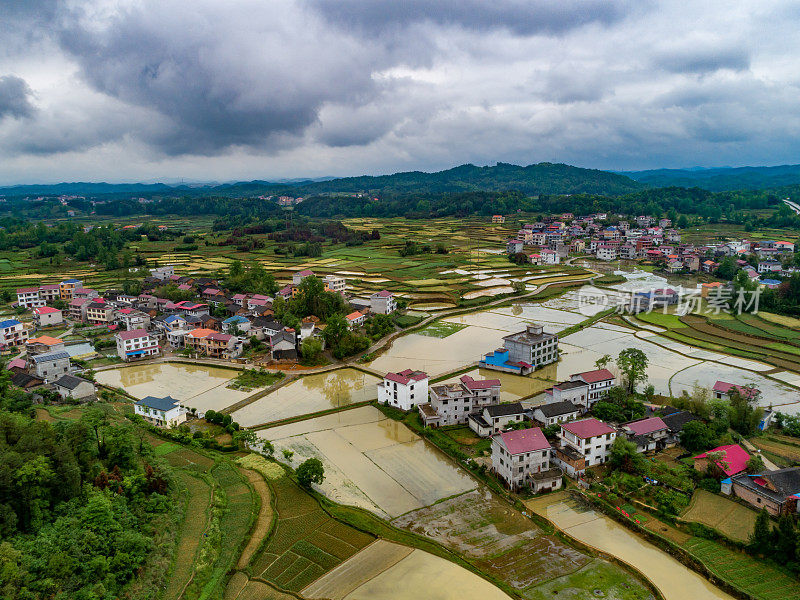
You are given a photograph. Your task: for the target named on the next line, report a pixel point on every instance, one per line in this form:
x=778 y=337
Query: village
x=503 y=407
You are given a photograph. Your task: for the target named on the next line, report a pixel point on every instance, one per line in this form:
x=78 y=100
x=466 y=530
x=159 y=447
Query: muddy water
x=673 y=579
x=310 y=394
x=199 y=386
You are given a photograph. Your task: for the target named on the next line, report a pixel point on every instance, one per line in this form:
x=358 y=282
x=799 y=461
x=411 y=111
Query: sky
x=204 y=90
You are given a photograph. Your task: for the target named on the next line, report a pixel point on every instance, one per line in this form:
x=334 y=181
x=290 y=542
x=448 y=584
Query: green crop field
x=724 y=515
x=441 y=329
x=758 y=579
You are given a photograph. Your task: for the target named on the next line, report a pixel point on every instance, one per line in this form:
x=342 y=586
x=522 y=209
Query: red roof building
x=647 y=426
x=406 y=376
x=524 y=440
x=475 y=384
x=733 y=461
x=595 y=376
x=588 y=428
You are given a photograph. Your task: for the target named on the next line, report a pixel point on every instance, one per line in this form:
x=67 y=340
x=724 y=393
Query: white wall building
x=522 y=458
x=590 y=438
x=163 y=412
x=404 y=390
x=136 y=344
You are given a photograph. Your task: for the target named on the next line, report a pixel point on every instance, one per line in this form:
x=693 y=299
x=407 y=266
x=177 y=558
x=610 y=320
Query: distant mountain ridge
x=542 y=178
x=722 y=179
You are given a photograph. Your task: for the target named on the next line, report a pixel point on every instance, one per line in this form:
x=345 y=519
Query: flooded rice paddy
x=371 y=461
x=673 y=579
x=385 y=570
x=198 y=386
x=309 y=394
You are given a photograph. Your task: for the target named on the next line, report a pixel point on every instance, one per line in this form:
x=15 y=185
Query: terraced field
x=758 y=579
x=724 y=515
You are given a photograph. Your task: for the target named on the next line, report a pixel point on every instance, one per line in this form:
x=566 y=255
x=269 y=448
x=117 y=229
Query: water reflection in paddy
x=309 y=394
x=198 y=386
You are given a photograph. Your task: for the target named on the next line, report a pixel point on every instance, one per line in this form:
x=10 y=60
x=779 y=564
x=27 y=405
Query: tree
x=602 y=362
x=696 y=436
x=624 y=457
x=785 y=549
x=761 y=538
x=632 y=363
x=519 y=287
x=310 y=471
x=245 y=438
x=755 y=465
x=335 y=330
x=311 y=348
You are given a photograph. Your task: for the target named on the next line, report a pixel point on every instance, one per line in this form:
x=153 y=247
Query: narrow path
x=767 y=462
x=263 y=519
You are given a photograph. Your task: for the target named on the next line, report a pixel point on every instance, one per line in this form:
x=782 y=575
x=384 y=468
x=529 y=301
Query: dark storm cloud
x=15 y=98
x=522 y=17
x=701 y=60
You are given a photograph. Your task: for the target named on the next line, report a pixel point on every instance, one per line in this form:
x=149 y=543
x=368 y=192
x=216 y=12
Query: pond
x=673 y=579
x=309 y=394
x=198 y=386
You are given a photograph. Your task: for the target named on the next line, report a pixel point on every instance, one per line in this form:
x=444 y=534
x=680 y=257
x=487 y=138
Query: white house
x=382 y=303
x=51 y=365
x=606 y=252
x=334 y=283
x=556 y=412
x=298 y=277
x=163 y=273
x=69 y=386
x=136 y=344
x=163 y=412
x=496 y=418
x=550 y=257
x=404 y=390
x=598 y=383
x=522 y=458
x=29 y=297
x=47 y=316
x=355 y=319
x=590 y=438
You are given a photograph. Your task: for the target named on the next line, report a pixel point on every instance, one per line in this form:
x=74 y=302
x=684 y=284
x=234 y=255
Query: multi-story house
x=82 y=292
x=66 y=287
x=522 y=458
x=12 y=333
x=404 y=390
x=550 y=257
x=29 y=297
x=49 y=292
x=498 y=219
x=77 y=310
x=162 y=412
x=236 y=323
x=163 y=273
x=648 y=434
x=99 y=313
x=382 y=303
x=514 y=246
x=44 y=344
x=221 y=345
x=598 y=382
x=496 y=418
x=298 y=277
x=606 y=252
x=524 y=351
x=334 y=283
x=47 y=316
x=589 y=437
x=52 y=365
x=452 y=403
x=136 y=344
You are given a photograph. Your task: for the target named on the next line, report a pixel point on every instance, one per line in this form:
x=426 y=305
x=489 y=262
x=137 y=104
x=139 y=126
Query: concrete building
x=77 y=388
x=496 y=418
x=598 y=383
x=163 y=273
x=44 y=344
x=298 y=277
x=404 y=390
x=382 y=303
x=590 y=438
x=283 y=345
x=452 y=403
x=522 y=458
x=648 y=434
x=523 y=352
x=136 y=344
x=12 y=333
x=99 y=313
x=52 y=365
x=66 y=287
x=29 y=297
x=162 y=412
x=334 y=283
x=47 y=316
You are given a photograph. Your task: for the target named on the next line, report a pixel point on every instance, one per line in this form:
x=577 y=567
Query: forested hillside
x=717 y=180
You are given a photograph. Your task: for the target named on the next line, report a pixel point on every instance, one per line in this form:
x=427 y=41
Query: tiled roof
x=404 y=377
x=505 y=410
x=46 y=340
x=734 y=460
x=132 y=334
x=164 y=404
x=595 y=376
x=587 y=428
x=474 y=384
x=524 y=440
x=556 y=409
x=645 y=426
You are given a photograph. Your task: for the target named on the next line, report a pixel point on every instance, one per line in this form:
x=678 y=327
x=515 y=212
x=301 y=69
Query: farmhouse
x=51 y=365
x=382 y=303
x=136 y=344
x=29 y=297
x=69 y=386
x=12 y=333
x=522 y=458
x=163 y=412
x=554 y=413
x=283 y=345
x=777 y=491
x=597 y=383
x=47 y=316
x=43 y=344
x=451 y=403
x=648 y=434
x=730 y=459
x=523 y=352
x=495 y=418
x=589 y=438
x=722 y=390
x=404 y=390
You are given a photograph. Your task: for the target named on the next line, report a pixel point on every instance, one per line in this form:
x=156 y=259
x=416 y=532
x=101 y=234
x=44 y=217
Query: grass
x=612 y=582
x=726 y=516
x=250 y=379
x=775 y=445
x=442 y=329
x=757 y=578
